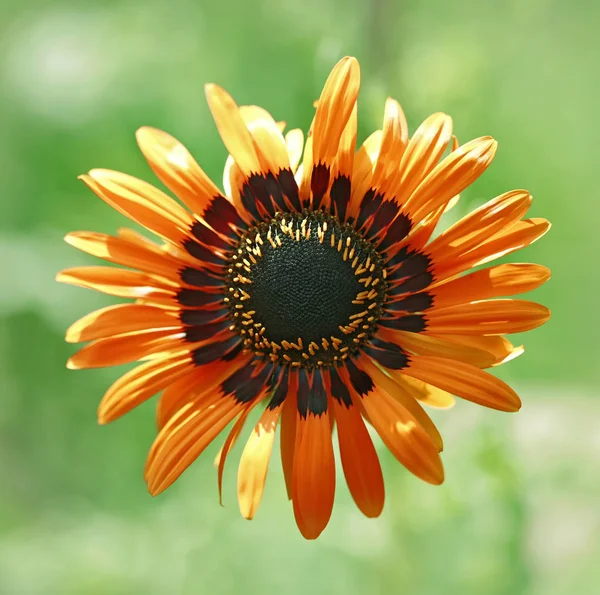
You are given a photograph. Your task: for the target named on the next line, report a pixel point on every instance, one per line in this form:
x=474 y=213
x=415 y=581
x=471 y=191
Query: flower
x=313 y=290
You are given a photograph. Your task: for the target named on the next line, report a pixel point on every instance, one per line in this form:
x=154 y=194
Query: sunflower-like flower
x=311 y=288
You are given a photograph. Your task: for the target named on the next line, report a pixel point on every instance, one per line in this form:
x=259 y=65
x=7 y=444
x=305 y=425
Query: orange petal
x=344 y=161
x=450 y=177
x=465 y=381
x=343 y=168
x=122 y=349
x=334 y=109
x=429 y=395
x=118 y=282
x=228 y=445
x=362 y=171
x=404 y=436
x=141 y=202
x=120 y=319
x=254 y=462
x=141 y=383
x=359 y=460
x=499 y=347
x=423 y=152
x=134 y=237
x=520 y=235
x=177 y=394
x=304 y=171
x=454 y=200
x=313 y=475
x=385 y=382
x=517 y=236
x=497 y=281
x=176 y=168
x=294 y=141
x=184 y=438
x=287 y=438
x=420 y=234
x=268 y=141
x=422 y=344
x=147 y=257
x=233 y=181
x=492 y=317
x=199 y=382
x=393 y=144
x=180 y=255
x=232 y=129
x=480 y=224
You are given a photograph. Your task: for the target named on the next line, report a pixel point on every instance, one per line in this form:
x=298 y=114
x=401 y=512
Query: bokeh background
x=519 y=511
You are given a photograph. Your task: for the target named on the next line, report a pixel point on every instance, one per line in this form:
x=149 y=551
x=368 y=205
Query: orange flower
x=311 y=289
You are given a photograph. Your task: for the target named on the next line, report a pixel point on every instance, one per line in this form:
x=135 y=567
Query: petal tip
x=349 y=62
x=438 y=479
x=353 y=65
x=86 y=179
x=545 y=273
x=71 y=337
x=156 y=485
x=514 y=406
x=72 y=237
x=348 y=68
x=98 y=173
x=436 y=475
x=211 y=90
x=144 y=130
x=153 y=489
x=146 y=134
x=491 y=144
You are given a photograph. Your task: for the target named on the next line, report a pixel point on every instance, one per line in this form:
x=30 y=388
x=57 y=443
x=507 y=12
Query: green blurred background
x=519 y=511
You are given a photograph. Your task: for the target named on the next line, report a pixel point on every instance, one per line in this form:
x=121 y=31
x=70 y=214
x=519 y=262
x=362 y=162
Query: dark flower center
x=305 y=290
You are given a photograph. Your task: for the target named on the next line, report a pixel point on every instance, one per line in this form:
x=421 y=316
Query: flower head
x=313 y=291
